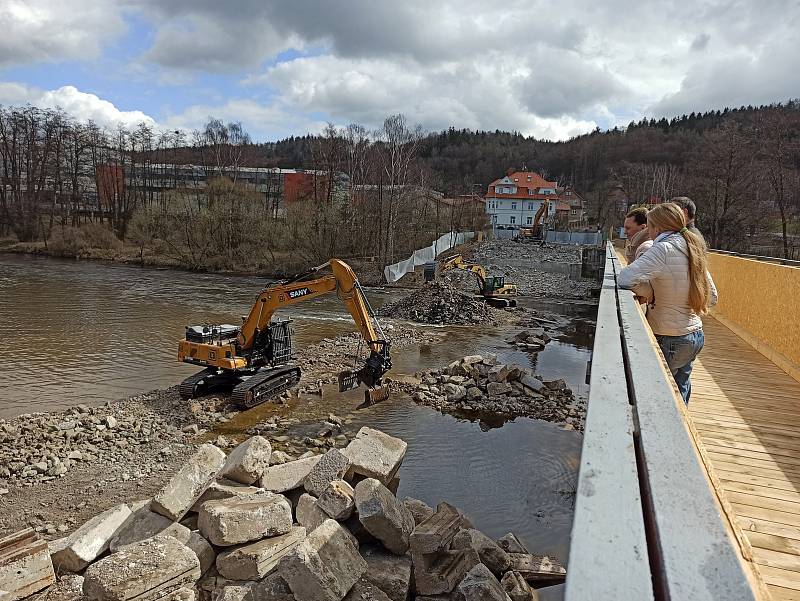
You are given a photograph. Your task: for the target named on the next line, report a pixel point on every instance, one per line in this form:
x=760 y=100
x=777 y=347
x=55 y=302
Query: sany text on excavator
x=255 y=359
x=493 y=289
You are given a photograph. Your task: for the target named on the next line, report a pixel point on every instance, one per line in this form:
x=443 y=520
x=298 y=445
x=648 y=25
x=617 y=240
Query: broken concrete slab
x=25 y=565
x=435 y=533
x=238 y=520
x=480 y=585
x=511 y=544
x=188 y=485
x=419 y=509
x=492 y=556
x=440 y=572
x=375 y=454
x=224 y=489
x=324 y=567
x=204 y=551
x=533 y=383
x=76 y=551
x=287 y=476
x=68 y=588
x=363 y=590
x=308 y=514
x=142 y=524
x=248 y=461
x=465 y=521
x=337 y=500
x=332 y=466
x=256 y=560
x=272 y=588
x=386 y=518
x=498 y=388
x=145 y=571
x=241 y=591
x=537 y=568
x=389 y=572
x=517 y=588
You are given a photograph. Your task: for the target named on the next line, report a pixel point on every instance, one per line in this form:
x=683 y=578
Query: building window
x=513 y=220
x=513 y=206
x=530 y=220
x=494 y=218
x=530 y=192
x=569 y=193
x=574 y=211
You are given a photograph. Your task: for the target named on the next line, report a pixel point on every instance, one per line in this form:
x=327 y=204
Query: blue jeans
x=680 y=352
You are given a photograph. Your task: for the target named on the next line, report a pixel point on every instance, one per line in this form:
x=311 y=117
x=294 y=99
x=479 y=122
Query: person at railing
x=674 y=274
x=689 y=211
x=636 y=231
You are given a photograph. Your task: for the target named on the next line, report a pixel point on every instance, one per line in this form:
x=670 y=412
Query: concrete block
x=435 y=533
x=224 y=489
x=386 y=518
x=145 y=571
x=272 y=588
x=240 y=520
x=285 y=477
x=375 y=454
x=204 y=551
x=338 y=500
x=538 y=568
x=76 y=551
x=332 y=466
x=68 y=588
x=517 y=588
x=511 y=544
x=248 y=461
x=25 y=565
x=465 y=521
x=419 y=509
x=492 y=556
x=142 y=524
x=324 y=567
x=256 y=560
x=498 y=373
x=498 y=388
x=188 y=485
x=308 y=513
x=363 y=590
x=532 y=383
x=439 y=573
x=235 y=592
x=389 y=572
x=480 y=585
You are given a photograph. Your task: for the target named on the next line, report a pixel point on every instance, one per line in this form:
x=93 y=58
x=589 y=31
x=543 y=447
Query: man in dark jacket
x=689 y=210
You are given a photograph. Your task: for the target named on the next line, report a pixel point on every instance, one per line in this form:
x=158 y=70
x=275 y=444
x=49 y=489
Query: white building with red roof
x=512 y=201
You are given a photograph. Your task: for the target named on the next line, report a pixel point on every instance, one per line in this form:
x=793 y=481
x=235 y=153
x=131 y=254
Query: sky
x=287 y=67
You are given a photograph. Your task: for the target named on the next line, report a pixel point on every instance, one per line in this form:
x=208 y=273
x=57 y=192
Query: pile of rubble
x=439 y=302
x=240 y=528
x=479 y=383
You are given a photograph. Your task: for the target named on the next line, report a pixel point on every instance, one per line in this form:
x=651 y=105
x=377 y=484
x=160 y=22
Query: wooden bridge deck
x=747 y=413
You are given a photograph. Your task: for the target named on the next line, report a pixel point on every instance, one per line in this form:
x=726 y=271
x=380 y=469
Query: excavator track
x=195 y=385
x=264 y=385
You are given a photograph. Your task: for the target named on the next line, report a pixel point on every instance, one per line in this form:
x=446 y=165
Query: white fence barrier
x=424 y=255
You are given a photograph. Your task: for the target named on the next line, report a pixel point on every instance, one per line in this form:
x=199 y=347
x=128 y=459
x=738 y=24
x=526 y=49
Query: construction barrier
x=394 y=272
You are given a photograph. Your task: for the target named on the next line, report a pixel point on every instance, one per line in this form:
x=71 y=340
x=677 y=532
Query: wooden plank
x=694 y=519
x=766 y=441
x=754 y=467
x=779 y=577
x=762 y=491
x=776 y=559
x=752 y=525
x=765 y=502
x=608 y=549
x=776 y=483
x=753 y=458
x=766 y=513
x=782 y=454
x=778 y=593
x=775 y=543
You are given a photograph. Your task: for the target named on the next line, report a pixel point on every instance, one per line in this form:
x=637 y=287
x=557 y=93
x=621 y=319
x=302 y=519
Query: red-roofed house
x=512 y=201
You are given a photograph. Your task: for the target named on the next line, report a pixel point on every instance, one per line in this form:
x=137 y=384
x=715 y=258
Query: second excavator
x=255 y=360
x=493 y=289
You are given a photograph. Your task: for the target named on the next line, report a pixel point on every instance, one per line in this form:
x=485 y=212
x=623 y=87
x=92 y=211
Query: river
x=89 y=332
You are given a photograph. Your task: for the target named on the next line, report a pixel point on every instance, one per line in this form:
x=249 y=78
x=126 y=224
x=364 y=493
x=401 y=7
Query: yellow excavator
x=255 y=359
x=493 y=289
x=535 y=231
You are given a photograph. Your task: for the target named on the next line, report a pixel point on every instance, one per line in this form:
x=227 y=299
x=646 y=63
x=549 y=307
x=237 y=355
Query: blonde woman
x=682 y=289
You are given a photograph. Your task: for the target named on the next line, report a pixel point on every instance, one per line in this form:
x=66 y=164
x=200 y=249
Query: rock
x=438 y=573
x=76 y=551
x=235 y=592
x=25 y=565
x=145 y=571
x=68 y=588
x=242 y=519
x=374 y=454
x=533 y=383
x=256 y=560
x=363 y=590
x=537 y=568
x=454 y=392
x=337 y=500
x=111 y=422
x=285 y=477
x=225 y=489
x=474 y=394
x=308 y=512
x=188 y=485
x=498 y=373
x=492 y=556
x=386 y=518
x=419 y=509
x=279 y=458
x=332 y=466
x=272 y=588
x=471 y=359
x=517 y=588
x=498 y=388
x=142 y=524
x=324 y=567
x=480 y=585
x=248 y=461
x=511 y=544
x=556 y=384
x=389 y=572
x=436 y=533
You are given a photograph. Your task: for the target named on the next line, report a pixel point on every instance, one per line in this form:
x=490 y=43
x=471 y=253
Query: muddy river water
x=87 y=332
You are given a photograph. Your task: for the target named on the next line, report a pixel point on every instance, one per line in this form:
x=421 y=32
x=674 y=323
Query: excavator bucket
x=376 y=395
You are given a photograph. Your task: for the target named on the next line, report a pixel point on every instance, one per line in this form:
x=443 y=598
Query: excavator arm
x=457 y=262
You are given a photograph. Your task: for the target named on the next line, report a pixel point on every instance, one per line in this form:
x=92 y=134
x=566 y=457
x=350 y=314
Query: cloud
x=700 y=42
x=80 y=105
x=51 y=31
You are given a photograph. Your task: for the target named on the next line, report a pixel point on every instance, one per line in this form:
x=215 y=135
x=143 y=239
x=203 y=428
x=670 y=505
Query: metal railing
x=778 y=260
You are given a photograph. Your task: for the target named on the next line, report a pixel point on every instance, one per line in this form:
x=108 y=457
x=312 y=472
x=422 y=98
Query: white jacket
x=665 y=266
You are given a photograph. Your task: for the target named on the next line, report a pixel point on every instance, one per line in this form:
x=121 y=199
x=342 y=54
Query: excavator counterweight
x=254 y=360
